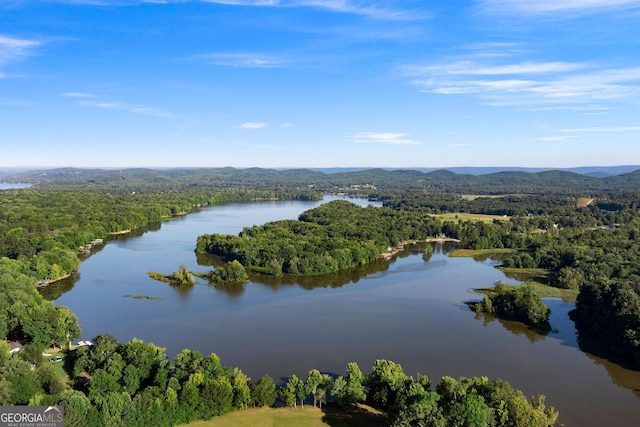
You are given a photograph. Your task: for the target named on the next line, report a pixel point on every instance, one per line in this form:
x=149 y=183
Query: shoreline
x=391 y=252
x=115 y=233
x=45 y=283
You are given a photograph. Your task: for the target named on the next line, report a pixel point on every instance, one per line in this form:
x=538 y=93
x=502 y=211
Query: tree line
x=134 y=384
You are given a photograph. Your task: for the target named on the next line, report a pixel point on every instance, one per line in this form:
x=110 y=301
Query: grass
x=543 y=291
x=583 y=202
x=458 y=253
x=488 y=196
x=462 y=216
x=537 y=272
x=331 y=415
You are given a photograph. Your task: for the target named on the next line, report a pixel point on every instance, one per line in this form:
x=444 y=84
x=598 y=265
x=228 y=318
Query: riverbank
x=115 y=233
x=45 y=283
x=391 y=252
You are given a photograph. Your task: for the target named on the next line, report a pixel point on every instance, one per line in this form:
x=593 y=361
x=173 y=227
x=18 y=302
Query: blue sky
x=319 y=83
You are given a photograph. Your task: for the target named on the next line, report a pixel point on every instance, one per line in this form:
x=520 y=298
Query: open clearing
x=331 y=415
x=462 y=216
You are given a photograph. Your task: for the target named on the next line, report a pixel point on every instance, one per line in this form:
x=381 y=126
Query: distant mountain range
x=460 y=180
x=595 y=171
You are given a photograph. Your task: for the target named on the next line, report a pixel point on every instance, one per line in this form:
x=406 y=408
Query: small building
x=14 y=347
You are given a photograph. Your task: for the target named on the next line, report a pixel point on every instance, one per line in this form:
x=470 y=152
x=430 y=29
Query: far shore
x=113 y=233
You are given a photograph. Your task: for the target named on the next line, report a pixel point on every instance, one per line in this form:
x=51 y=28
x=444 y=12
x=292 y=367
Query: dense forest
x=585 y=236
x=329 y=238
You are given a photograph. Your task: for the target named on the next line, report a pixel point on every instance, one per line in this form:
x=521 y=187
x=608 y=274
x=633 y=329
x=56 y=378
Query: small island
x=181 y=279
x=233 y=273
x=519 y=303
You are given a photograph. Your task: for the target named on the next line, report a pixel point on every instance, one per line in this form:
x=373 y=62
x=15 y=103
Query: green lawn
x=332 y=415
x=543 y=291
x=480 y=252
x=461 y=216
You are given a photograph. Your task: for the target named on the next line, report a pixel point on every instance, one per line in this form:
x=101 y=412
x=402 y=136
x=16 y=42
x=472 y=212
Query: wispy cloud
x=357 y=7
x=77 y=95
x=380 y=11
x=253 y=125
x=382 y=138
x=13 y=49
x=566 y=7
x=563 y=138
x=530 y=84
x=93 y=101
x=603 y=129
x=243 y=60
x=530 y=67
x=286 y=125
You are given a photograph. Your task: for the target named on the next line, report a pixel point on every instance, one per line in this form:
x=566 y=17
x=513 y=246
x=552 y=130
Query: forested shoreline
x=592 y=247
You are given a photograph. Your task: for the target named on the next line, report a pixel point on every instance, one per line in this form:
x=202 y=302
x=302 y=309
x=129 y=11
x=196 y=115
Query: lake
x=12 y=185
x=410 y=311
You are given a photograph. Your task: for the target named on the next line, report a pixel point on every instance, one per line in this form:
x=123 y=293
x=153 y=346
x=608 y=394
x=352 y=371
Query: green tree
x=350 y=389
x=313 y=384
x=288 y=392
x=263 y=392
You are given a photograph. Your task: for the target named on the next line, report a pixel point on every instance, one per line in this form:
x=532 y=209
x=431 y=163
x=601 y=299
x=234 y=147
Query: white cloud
x=12 y=49
x=356 y=7
x=244 y=60
x=253 y=125
x=558 y=6
x=286 y=125
x=599 y=129
x=527 y=83
x=245 y=2
x=382 y=138
x=77 y=95
x=475 y=68
x=555 y=138
x=380 y=11
x=94 y=101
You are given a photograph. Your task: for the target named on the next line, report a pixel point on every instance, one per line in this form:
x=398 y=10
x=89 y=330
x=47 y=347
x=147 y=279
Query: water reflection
x=516 y=328
x=623 y=371
x=54 y=290
x=331 y=280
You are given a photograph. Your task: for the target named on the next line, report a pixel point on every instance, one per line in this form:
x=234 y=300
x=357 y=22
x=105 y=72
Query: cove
x=410 y=311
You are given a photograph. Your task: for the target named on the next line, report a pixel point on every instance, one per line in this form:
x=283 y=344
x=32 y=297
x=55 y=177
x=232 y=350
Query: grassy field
x=331 y=415
x=479 y=252
x=461 y=216
x=488 y=196
x=542 y=290
x=583 y=201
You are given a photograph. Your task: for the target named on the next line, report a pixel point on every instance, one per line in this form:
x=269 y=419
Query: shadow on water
x=55 y=289
x=516 y=328
x=623 y=371
x=332 y=280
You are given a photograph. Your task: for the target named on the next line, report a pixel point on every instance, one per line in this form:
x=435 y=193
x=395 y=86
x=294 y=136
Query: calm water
x=409 y=311
x=11 y=185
